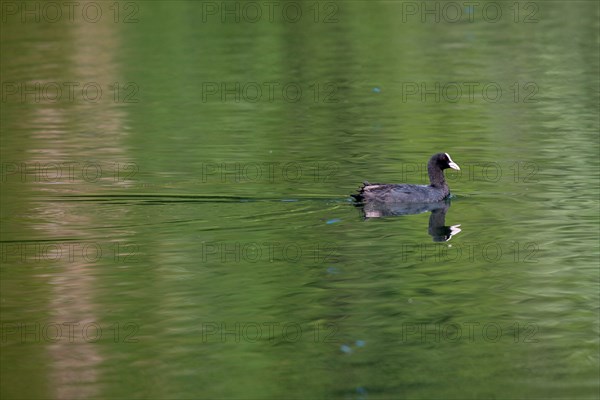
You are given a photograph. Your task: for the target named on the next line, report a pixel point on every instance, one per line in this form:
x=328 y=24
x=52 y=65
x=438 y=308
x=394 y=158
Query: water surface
x=189 y=233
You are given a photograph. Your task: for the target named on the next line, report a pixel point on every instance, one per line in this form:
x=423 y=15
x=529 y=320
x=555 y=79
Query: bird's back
x=401 y=193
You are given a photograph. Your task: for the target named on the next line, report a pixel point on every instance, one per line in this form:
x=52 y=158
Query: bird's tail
x=359 y=196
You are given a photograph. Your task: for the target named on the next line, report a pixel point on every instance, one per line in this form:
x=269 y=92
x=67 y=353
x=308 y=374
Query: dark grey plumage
x=405 y=193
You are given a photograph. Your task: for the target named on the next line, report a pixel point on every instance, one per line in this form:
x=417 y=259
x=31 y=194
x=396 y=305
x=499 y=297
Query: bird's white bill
x=454 y=230
x=451 y=163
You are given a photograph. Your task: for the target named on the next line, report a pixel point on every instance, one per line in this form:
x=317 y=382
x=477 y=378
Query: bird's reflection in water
x=437 y=220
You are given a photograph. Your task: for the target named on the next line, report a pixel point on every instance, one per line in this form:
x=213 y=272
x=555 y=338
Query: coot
x=403 y=193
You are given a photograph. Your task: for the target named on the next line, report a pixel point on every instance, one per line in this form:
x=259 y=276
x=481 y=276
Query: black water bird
x=404 y=193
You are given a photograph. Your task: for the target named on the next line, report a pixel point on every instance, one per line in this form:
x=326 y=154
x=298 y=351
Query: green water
x=175 y=212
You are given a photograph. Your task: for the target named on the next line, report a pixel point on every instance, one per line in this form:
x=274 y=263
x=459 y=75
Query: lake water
x=176 y=219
